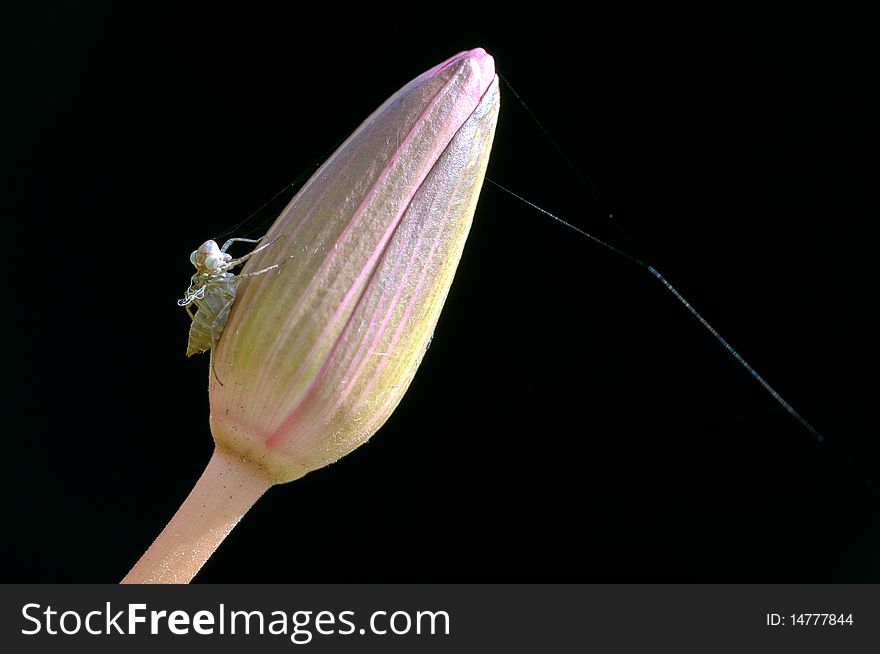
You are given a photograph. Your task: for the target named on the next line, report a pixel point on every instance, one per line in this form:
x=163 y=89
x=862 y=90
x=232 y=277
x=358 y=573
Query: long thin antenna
x=262 y=206
x=639 y=262
x=571 y=165
x=303 y=175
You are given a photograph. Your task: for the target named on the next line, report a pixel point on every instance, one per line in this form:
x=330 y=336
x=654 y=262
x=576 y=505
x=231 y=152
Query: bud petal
x=317 y=355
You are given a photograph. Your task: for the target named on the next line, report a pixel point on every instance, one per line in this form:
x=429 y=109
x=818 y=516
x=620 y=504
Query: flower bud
x=317 y=353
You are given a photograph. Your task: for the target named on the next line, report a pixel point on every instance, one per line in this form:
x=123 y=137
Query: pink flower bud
x=317 y=355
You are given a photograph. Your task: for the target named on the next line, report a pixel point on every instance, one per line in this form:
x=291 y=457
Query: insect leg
x=241 y=260
x=272 y=267
x=242 y=240
x=217 y=326
x=189 y=311
x=211 y=357
x=260 y=272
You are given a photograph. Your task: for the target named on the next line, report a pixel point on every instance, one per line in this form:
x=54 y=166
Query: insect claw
x=213 y=369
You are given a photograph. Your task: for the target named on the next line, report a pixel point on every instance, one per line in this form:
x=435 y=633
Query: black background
x=571 y=422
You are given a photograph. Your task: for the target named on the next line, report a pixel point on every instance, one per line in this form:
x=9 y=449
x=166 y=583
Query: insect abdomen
x=211 y=317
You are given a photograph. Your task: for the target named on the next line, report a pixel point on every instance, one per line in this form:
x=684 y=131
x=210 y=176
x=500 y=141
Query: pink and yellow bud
x=315 y=357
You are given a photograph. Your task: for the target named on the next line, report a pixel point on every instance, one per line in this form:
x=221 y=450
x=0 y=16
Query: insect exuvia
x=212 y=289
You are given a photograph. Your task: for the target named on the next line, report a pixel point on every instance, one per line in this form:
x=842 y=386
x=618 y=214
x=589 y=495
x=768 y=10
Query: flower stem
x=227 y=489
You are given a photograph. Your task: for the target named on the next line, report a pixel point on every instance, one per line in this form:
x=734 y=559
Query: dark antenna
x=696 y=314
x=303 y=175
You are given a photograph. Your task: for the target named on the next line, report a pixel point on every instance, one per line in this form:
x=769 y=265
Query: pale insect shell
x=212 y=289
x=212 y=314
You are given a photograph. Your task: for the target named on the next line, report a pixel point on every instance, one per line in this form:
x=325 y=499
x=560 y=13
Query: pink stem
x=227 y=489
